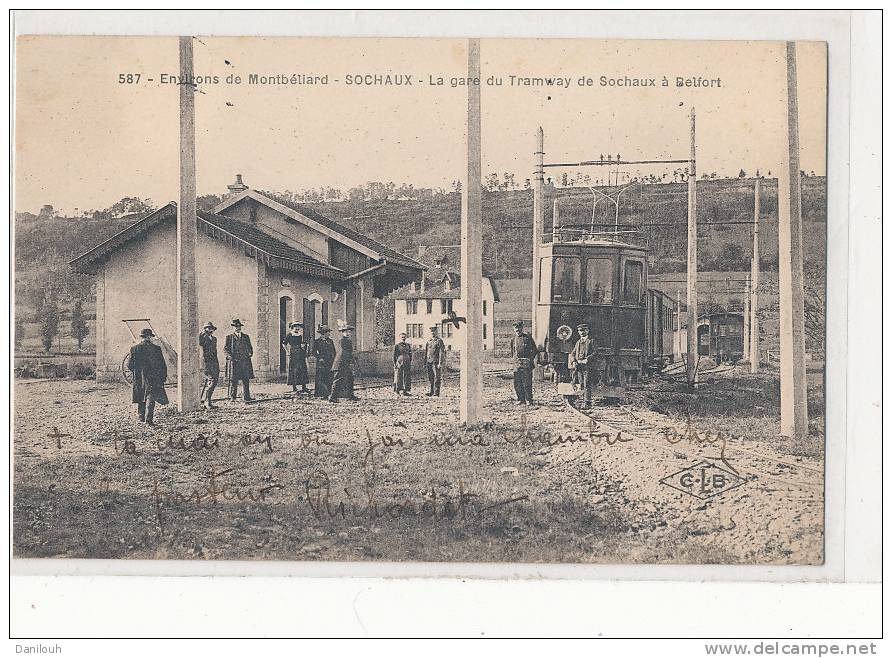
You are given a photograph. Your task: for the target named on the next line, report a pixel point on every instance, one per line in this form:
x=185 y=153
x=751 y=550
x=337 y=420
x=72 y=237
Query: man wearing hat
x=297 y=357
x=583 y=362
x=149 y=374
x=524 y=353
x=210 y=365
x=342 y=367
x=324 y=351
x=239 y=351
x=434 y=360
x=402 y=367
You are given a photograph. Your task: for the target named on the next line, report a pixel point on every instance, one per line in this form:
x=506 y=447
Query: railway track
x=672 y=439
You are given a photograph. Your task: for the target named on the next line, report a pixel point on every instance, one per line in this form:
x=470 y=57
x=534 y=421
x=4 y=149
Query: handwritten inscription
x=58 y=436
x=368 y=505
x=127 y=444
x=531 y=438
x=673 y=436
x=215 y=491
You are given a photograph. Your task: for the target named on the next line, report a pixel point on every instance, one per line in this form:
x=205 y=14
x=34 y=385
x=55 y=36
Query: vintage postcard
x=420 y=300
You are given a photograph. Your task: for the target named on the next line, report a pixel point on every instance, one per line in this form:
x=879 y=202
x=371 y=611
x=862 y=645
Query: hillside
x=660 y=208
x=44 y=245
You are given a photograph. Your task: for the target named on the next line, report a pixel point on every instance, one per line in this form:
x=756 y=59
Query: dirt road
x=395 y=479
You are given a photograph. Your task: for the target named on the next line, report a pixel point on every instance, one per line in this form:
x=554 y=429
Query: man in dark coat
x=239 y=351
x=342 y=367
x=297 y=357
x=434 y=360
x=149 y=374
x=524 y=353
x=210 y=365
x=402 y=367
x=587 y=366
x=324 y=351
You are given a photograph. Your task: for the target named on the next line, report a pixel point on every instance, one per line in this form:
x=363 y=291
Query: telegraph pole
x=538 y=223
x=471 y=381
x=692 y=258
x=187 y=237
x=754 y=301
x=746 y=318
x=794 y=410
x=677 y=337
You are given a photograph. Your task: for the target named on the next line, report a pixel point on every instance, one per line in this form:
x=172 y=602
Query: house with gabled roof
x=259 y=258
x=420 y=304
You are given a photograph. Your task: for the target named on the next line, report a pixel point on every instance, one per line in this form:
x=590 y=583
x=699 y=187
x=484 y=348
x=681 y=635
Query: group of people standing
x=334 y=362
x=333 y=378
x=334 y=365
x=434 y=362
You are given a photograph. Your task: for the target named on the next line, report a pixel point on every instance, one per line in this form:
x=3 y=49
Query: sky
x=84 y=140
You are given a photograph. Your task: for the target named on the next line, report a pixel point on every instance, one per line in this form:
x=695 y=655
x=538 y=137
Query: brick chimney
x=237 y=187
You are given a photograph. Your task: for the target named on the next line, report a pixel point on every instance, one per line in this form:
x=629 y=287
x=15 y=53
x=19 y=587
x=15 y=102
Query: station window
x=411 y=306
x=632 y=278
x=598 y=281
x=445 y=306
x=484 y=307
x=430 y=305
x=447 y=330
x=566 y=277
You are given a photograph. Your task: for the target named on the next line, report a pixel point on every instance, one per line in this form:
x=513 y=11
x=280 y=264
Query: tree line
x=48 y=318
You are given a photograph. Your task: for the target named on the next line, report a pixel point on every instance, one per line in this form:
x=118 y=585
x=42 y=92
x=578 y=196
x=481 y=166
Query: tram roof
x=599 y=235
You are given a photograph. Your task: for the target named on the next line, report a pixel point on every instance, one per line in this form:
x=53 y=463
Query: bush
x=83 y=371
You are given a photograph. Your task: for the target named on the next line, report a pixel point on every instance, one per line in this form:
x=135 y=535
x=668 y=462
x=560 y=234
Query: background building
x=430 y=300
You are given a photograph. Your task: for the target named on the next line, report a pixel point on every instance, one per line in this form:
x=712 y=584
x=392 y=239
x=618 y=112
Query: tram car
x=662 y=328
x=720 y=336
x=598 y=275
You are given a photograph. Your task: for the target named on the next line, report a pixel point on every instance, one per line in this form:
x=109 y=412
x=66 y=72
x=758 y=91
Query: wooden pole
x=187 y=236
x=471 y=380
x=692 y=259
x=746 y=318
x=794 y=410
x=754 y=301
x=538 y=223
x=678 y=345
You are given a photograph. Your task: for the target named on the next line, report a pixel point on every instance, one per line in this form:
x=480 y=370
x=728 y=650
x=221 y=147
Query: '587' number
x=128 y=78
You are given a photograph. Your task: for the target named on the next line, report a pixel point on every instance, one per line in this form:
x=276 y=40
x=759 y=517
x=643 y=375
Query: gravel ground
x=389 y=478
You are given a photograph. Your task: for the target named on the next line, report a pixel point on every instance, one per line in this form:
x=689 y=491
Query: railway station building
x=259 y=258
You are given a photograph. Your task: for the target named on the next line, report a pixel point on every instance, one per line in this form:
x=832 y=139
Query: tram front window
x=566 y=280
x=598 y=281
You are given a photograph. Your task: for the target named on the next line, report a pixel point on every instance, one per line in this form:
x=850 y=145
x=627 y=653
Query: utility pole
x=471 y=381
x=754 y=302
x=794 y=410
x=746 y=318
x=538 y=223
x=187 y=237
x=677 y=338
x=692 y=259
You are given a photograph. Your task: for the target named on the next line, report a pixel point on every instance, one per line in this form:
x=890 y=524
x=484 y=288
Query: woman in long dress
x=297 y=357
x=324 y=351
